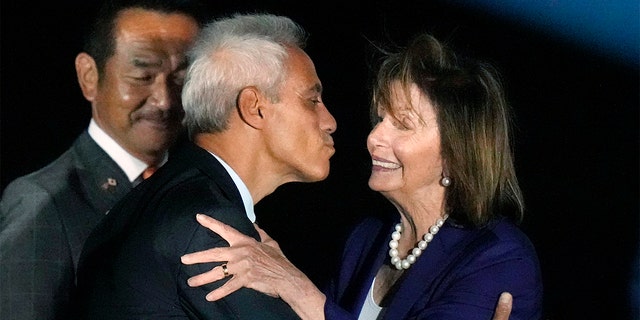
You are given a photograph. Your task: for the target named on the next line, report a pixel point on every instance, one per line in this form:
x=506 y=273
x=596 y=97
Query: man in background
x=131 y=71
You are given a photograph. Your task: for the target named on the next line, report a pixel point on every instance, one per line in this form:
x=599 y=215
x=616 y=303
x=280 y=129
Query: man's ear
x=250 y=102
x=87 y=73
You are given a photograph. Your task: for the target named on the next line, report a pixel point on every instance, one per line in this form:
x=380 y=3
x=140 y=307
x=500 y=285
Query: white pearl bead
x=401 y=264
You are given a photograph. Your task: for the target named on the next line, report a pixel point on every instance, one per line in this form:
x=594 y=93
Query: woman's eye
x=403 y=124
x=399 y=125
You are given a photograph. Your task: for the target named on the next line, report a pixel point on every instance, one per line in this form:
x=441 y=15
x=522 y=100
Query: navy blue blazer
x=130 y=266
x=460 y=275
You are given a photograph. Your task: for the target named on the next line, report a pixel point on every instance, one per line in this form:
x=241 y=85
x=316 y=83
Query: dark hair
x=473 y=118
x=99 y=40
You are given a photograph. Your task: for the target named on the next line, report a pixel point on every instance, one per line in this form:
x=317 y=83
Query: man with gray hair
x=256 y=120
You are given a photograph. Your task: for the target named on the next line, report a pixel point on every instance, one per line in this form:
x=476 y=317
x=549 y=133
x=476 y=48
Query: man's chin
x=162 y=126
x=153 y=140
x=318 y=175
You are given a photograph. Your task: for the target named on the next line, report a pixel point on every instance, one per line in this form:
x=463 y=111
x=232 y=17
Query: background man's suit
x=45 y=218
x=130 y=266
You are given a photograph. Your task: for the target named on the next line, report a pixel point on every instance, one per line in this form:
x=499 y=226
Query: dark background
x=571 y=74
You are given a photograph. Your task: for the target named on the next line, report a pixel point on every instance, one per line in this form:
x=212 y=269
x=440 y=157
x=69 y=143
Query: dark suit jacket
x=130 y=267
x=44 y=219
x=460 y=275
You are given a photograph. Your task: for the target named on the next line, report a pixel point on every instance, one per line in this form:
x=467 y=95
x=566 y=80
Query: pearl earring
x=445 y=181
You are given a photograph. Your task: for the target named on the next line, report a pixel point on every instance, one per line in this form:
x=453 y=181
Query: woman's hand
x=254 y=264
x=503 y=309
x=261 y=266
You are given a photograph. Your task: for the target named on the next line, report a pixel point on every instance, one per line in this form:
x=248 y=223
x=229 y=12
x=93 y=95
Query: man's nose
x=163 y=94
x=327 y=121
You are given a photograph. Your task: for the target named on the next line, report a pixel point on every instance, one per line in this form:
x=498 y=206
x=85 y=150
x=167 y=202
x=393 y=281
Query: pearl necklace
x=417 y=251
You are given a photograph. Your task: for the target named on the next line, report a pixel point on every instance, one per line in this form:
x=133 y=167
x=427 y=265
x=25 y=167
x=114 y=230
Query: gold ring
x=224 y=270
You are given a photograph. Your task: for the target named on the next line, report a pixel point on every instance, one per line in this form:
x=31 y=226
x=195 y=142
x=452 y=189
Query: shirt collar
x=131 y=165
x=247 y=200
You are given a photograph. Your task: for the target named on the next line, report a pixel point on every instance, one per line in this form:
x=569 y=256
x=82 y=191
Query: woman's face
x=406 y=151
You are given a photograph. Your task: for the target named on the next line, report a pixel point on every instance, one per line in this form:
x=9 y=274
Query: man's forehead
x=302 y=72
x=137 y=23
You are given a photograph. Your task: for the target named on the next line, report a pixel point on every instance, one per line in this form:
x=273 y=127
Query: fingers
x=210 y=276
x=231 y=235
x=263 y=235
x=265 y=238
x=226 y=289
x=220 y=272
x=503 y=309
x=210 y=255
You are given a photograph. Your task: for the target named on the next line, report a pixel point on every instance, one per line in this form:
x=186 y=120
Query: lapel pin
x=109 y=185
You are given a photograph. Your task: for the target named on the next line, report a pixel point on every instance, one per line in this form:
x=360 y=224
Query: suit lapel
x=89 y=200
x=192 y=155
x=100 y=178
x=418 y=280
x=356 y=292
x=426 y=278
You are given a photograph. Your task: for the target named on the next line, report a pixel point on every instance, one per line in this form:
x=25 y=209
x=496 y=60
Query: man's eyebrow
x=316 y=88
x=146 y=63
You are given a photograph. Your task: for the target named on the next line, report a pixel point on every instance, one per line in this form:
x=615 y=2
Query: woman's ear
x=445 y=168
x=87 y=73
x=249 y=107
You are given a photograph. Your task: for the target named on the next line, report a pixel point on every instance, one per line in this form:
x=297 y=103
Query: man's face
x=300 y=137
x=137 y=101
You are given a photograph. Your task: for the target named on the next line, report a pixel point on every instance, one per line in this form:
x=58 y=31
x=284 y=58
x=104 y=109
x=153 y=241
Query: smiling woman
x=404 y=123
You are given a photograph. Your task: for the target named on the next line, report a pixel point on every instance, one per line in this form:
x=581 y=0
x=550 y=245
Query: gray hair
x=230 y=54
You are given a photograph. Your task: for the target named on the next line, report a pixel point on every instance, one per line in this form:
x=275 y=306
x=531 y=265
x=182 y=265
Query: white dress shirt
x=132 y=166
x=247 y=200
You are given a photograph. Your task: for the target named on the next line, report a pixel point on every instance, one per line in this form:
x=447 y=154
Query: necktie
x=148 y=172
